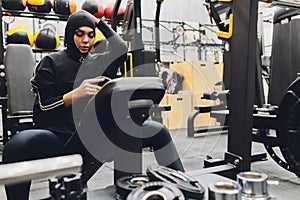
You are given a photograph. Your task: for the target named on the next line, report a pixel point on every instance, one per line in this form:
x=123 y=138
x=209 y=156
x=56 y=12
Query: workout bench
x=17 y=105
x=112 y=121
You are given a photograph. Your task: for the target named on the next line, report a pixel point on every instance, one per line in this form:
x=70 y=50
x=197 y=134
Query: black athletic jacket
x=57 y=73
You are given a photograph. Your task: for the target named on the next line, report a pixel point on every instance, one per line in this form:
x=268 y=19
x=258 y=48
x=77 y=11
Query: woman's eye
x=79 y=33
x=91 y=35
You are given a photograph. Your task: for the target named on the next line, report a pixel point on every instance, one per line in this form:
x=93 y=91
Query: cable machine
x=242 y=63
x=144 y=61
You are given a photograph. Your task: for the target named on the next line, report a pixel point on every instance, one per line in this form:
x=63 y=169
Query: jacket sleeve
x=44 y=85
x=116 y=43
x=117 y=49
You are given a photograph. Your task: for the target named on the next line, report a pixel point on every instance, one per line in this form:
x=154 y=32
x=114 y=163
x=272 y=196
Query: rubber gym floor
x=283 y=185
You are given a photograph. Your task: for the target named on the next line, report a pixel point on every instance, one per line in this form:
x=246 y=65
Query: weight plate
x=288 y=131
x=156 y=191
x=126 y=184
x=227 y=190
x=190 y=187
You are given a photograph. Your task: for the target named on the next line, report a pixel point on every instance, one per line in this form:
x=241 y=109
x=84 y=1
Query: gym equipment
x=108 y=11
x=243 y=86
x=128 y=24
x=242 y=79
x=283 y=80
x=67 y=187
x=225 y=29
x=120 y=107
x=8 y=16
x=283 y=120
x=212 y=95
x=94 y=7
x=14 y=4
x=175 y=83
x=156 y=190
x=20 y=35
x=64 y=7
x=285 y=49
x=191 y=188
x=284 y=3
x=254 y=185
x=224 y=190
x=108 y=193
x=157 y=34
x=100 y=40
x=143 y=60
x=46 y=39
x=127 y=184
x=287 y=131
x=41 y=6
x=35 y=169
x=16 y=109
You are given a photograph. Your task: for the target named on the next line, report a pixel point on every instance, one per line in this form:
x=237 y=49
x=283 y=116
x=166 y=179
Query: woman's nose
x=85 y=38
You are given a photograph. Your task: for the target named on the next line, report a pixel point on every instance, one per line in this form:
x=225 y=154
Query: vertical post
x=242 y=80
x=137 y=43
x=114 y=17
x=1 y=35
x=157 y=34
x=2 y=78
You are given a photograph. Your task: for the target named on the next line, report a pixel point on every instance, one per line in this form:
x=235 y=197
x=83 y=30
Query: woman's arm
x=115 y=42
x=88 y=87
x=44 y=85
x=116 y=45
x=51 y=97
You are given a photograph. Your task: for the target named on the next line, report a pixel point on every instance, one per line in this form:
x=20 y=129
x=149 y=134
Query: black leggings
x=37 y=144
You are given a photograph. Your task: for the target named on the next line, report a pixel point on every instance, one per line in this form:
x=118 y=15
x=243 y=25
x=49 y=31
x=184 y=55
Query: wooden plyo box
x=199 y=76
x=181 y=107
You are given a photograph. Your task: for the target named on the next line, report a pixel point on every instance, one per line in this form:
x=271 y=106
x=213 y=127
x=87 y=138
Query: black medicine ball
x=42 y=6
x=64 y=7
x=19 y=35
x=14 y=4
x=46 y=39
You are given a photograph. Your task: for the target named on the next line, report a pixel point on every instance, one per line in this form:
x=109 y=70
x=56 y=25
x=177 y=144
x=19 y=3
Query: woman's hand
x=88 y=87
x=95 y=19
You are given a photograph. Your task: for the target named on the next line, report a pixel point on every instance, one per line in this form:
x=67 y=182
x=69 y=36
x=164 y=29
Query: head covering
x=76 y=20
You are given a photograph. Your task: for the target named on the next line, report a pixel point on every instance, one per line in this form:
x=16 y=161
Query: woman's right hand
x=88 y=87
x=95 y=19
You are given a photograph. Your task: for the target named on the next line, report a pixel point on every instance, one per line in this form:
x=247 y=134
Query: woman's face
x=84 y=38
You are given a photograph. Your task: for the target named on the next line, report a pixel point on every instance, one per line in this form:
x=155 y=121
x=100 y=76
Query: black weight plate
x=126 y=184
x=190 y=187
x=288 y=131
x=156 y=191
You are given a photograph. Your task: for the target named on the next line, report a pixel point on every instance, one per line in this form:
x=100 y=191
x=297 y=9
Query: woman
x=54 y=83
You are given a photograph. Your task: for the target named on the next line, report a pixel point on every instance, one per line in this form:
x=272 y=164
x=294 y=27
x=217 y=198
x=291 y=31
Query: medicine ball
x=46 y=39
x=108 y=11
x=99 y=37
x=42 y=6
x=19 y=35
x=100 y=42
x=14 y=4
x=64 y=7
x=94 y=7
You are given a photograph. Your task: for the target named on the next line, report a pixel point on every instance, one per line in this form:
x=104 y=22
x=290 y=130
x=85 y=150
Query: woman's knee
x=155 y=128
x=31 y=144
x=155 y=135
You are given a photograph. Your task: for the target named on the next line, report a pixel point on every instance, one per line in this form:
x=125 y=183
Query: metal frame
x=242 y=82
x=2 y=78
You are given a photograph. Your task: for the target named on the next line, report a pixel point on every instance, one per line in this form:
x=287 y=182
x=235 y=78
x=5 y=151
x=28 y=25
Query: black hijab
x=76 y=20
